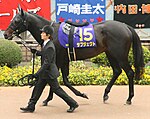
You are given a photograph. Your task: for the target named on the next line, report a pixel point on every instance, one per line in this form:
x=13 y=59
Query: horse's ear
x=19 y=8
x=21 y=12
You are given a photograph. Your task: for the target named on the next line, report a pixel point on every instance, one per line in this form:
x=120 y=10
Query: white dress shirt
x=45 y=42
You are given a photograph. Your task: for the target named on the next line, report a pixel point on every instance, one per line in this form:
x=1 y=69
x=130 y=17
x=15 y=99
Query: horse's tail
x=137 y=54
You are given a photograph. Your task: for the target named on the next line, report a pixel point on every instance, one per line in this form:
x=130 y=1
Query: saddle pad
x=83 y=37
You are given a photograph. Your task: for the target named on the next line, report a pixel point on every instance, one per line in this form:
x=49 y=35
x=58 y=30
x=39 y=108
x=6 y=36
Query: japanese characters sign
x=133 y=12
x=8 y=9
x=80 y=10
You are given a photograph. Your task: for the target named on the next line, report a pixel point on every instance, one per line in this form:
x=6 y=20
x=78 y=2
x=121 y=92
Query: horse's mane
x=39 y=17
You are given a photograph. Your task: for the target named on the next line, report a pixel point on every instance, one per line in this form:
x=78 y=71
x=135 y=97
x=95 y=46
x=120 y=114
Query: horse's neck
x=35 y=24
x=56 y=28
x=34 y=27
x=36 y=35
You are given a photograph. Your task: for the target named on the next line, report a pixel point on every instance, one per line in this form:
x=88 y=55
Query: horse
x=112 y=37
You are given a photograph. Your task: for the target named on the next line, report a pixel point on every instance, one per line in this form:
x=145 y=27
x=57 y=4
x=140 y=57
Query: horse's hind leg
x=130 y=74
x=65 y=73
x=116 y=72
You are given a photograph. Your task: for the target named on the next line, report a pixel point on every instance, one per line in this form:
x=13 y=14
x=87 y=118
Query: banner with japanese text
x=8 y=9
x=135 y=13
x=80 y=10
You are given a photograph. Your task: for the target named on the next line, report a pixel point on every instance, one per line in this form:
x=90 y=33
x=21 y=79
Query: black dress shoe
x=45 y=102
x=27 y=109
x=72 y=108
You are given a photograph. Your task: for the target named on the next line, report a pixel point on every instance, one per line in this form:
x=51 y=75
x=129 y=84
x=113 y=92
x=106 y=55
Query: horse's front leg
x=65 y=73
x=49 y=98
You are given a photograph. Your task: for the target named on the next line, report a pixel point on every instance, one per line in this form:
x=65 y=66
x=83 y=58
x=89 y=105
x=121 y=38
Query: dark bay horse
x=112 y=37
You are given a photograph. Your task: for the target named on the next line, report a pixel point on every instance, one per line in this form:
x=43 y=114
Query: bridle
x=22 y=24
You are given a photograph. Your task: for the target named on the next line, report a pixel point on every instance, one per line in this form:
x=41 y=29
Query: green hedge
x=82 y=74
x=10 y=53
x=103 y=61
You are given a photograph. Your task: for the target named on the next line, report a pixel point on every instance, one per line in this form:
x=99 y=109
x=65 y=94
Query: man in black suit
x=48 y=73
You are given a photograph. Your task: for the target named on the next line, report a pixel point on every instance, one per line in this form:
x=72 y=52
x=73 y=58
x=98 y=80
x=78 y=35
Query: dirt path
x=12 y=98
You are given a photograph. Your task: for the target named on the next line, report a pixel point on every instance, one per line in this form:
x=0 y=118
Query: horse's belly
x=85 y=53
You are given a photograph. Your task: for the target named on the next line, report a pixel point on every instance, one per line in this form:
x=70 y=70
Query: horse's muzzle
x=5 y=36
x=8 y=37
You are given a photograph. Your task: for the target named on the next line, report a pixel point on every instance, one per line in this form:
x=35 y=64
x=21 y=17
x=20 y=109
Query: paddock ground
x=12 y=98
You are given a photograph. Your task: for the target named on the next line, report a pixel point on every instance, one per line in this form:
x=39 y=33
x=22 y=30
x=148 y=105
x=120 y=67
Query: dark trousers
x=39 y=87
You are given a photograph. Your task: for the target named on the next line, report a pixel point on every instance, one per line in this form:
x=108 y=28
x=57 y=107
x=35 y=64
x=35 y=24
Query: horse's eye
x=16 y=21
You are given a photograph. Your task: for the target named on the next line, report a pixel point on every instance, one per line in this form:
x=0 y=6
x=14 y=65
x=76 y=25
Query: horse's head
x=17 y=25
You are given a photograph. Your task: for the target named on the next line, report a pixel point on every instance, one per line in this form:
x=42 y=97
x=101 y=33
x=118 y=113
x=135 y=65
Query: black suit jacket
x=48 y=67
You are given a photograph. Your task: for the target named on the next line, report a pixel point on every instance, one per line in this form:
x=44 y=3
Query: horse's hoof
x=45 y=103
x=85 y=96
x=105 y=98
x=128 y=102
